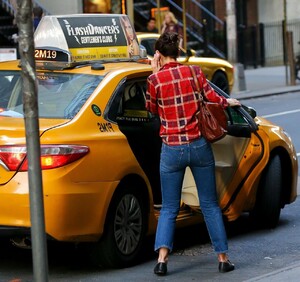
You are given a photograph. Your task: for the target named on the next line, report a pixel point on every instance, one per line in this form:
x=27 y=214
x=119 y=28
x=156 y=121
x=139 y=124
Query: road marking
x=282 y=113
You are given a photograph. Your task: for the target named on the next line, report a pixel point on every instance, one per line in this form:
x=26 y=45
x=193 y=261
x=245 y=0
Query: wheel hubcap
x=128 y=224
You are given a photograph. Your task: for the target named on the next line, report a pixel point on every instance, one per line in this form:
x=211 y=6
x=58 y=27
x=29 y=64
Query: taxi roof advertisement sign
x=92 y=31
x=89 y=36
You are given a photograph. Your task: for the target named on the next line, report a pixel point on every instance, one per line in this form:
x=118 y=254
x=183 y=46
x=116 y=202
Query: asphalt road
x=254 y=252
x=283 y=110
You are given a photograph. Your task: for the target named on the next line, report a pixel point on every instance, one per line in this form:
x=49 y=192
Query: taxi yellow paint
x=89 y=199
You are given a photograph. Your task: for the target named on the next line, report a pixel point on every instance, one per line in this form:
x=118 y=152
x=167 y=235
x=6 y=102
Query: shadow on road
x=68 y=259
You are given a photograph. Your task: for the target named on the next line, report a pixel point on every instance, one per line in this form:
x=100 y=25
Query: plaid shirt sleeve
x=151 y=102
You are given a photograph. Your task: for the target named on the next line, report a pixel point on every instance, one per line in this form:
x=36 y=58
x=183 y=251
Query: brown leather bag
x=212 y=119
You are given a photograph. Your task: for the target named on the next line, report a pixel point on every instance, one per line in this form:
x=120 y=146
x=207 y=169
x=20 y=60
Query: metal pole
x=285 y=42
x=184 y=23
x=159 y=16
x=231 y=31
x=30 y=107
x=290 y=53
x=129 y=12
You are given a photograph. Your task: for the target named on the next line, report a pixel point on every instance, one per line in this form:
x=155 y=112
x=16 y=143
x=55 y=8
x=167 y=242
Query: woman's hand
x=155 y=63
x=233 y=102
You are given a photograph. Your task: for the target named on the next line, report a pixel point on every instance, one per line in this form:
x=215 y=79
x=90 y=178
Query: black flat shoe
x=160 y=268
x=226 y=266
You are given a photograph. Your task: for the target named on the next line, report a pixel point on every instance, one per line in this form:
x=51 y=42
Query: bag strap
x=200 y=92
x=195 y=78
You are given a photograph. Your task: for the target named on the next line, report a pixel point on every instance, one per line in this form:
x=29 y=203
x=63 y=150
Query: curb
x=262 y=93
x=289 y=273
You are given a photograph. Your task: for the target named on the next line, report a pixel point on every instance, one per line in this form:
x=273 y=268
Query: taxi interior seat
x=134 y=98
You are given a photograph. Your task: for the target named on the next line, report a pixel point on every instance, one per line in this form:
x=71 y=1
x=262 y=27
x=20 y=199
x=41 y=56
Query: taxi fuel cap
x=69 y=39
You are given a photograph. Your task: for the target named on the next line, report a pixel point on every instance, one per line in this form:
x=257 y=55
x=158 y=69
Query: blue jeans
x=199 y=157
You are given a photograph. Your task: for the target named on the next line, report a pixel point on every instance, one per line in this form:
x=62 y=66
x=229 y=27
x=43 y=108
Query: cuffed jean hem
x=221 y=252
x=156 y=249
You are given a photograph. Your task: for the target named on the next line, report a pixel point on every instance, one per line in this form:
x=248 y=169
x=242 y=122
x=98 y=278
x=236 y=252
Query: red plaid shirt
x=170 y=94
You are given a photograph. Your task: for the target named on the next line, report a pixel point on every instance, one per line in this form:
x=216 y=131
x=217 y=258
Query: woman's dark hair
x=168 y=44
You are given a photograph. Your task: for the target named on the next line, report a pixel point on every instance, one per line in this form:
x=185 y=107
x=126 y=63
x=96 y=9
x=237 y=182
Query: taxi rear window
x=60 y=95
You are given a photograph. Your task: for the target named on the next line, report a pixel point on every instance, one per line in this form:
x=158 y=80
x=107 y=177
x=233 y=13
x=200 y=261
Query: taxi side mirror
x=251 y=111
x=143 y=51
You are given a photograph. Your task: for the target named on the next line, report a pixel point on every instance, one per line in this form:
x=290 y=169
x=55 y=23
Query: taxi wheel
x=220 y=80
x=268 y=200
x=125 y=230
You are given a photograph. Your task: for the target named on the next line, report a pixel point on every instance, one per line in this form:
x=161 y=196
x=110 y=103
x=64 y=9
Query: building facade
x=259 y=22
x=82 y=6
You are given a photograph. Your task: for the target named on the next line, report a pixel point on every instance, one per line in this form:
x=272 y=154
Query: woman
x=37 y=16
x=170 y=94
x=170 y=24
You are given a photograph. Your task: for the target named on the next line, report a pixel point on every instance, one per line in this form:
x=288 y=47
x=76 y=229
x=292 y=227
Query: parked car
x=100 y=147
x=220 y=72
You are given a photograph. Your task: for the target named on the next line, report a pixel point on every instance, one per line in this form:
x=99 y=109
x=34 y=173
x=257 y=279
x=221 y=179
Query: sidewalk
x=265 y=81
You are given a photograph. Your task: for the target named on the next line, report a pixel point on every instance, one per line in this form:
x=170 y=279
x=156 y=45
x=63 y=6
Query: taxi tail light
x=52 y=156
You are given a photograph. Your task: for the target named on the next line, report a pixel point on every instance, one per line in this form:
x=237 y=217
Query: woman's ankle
x=163 y=255
x=222 y=257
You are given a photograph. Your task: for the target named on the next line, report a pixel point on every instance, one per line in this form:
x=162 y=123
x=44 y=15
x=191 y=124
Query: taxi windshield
x=60 y=95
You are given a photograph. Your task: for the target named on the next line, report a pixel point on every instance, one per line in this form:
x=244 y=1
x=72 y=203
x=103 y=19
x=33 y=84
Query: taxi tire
x=221 y=81
x=267 y=209
x=107 y=252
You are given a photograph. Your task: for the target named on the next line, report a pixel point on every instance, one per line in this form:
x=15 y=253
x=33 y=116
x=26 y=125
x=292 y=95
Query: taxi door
x=140 y=128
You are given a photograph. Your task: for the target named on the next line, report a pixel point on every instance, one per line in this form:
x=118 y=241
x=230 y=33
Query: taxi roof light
x=67 y=41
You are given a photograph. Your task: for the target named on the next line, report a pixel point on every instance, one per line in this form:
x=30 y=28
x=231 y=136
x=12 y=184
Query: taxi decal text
x=105 y=127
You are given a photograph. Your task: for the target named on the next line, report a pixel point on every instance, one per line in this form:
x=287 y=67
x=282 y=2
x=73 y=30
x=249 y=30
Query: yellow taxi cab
x=220 y=72
x=100 y=148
